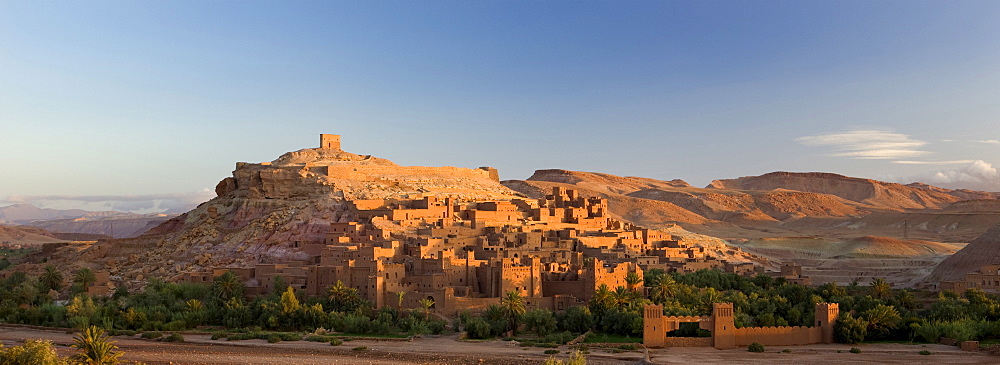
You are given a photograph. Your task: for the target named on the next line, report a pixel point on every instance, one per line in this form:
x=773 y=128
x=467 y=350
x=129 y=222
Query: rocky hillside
x=871 y=193
x=20 y=235
x=651 y=202
x=265 y=207
x=984 y=250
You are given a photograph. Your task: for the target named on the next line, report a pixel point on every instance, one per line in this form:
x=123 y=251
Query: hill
x=20 y=235
x=983 y=250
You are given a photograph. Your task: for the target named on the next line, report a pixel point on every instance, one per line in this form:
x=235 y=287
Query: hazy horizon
x=145 y=106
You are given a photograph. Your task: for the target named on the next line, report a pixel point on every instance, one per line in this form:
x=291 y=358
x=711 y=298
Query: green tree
x=664 y=290
x=343 y=298
x=51 y=279
x=95 y=348
x=83 y=279
x=633 y=279
x=849 y=329
x=542 y=321
x=881 y=289
x=882 y=319
x=289 y=303
x=227 y=286
x=513 y=307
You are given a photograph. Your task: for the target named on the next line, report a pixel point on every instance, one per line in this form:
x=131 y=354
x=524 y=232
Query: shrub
x=31 y=352
x=273 y=338
x=787 y=351
x=336 y=342
x=849 y=329
x=855 y=350
x=924 y=352
x=551 y=352
x=175 y=337
x=360 y=348
x=152 y=335
x=755 y=347
x=218 y=335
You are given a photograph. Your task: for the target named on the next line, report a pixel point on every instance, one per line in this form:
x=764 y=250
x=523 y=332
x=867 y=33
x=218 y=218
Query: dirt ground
x=201 y=349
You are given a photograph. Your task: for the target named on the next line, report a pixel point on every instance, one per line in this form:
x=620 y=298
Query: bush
x=336 y=342
x=924 y=352
x=273 y=338
x=175 y=337
x=152 y=335
x=360 y=348
x=849 y=329
x=855 y=350
x=551 y=352
x=787 y=351
x=755 y=347
x=218 y=335
x=31 y=352
x=628 y=347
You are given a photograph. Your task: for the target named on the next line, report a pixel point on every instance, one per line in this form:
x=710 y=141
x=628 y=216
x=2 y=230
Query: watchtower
x=826 y=317
x=724 y=326
x=329 y=141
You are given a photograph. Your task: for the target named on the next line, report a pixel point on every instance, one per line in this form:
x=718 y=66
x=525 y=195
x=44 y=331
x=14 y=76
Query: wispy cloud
x=867 y=144
x=952 y=162
x=988 y=141
x=146 y=203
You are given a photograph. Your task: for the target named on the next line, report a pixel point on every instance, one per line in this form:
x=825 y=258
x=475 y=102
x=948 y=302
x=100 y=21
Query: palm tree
x=85 y=278
x=95 y=347
x=426 y=304
x=51 y=279
x=882 y=319
x=881 y=289
x=227 y=286
x=632 y=279
x=602 y=300
x=513 y=307
x=665 y=289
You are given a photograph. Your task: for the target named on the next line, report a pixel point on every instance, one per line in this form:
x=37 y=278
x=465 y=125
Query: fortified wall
x=725 y=335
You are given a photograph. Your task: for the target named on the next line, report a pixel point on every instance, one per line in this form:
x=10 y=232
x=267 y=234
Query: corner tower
x=329 y=141
x=724 y=326
x=826 y=317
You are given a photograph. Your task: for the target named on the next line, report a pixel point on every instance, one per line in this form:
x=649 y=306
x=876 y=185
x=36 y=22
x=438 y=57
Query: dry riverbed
x=201 y=349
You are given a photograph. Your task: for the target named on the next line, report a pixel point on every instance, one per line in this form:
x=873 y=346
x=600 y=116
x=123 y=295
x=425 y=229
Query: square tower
x=329 y=141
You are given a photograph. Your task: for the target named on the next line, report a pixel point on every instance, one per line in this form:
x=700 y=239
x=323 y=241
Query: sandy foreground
x=201 y=349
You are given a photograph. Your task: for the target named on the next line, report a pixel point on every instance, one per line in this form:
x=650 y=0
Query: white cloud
x=867 y=144
x=977 y=175
x=988 y=141
x=952 y=162
x=147 y=203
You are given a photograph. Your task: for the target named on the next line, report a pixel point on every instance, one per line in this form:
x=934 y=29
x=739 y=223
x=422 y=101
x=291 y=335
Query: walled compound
x=725 y=334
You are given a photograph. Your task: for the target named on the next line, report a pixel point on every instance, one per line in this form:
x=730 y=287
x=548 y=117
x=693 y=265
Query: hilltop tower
x=724 y=326
x=826 y=317
x=329 y=141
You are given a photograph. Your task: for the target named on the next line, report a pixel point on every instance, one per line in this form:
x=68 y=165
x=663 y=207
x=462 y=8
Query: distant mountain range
x=105 y=223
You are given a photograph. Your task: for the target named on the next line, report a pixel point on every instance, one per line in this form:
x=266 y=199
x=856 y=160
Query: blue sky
x=119 y=104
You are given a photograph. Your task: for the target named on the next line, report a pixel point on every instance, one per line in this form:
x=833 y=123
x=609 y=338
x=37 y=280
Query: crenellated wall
x=725 y=335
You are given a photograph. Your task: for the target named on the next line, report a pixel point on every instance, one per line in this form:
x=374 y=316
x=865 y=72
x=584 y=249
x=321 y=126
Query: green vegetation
x=875 y=312
x=924 y=352
x=855 y=350
x=755 y=347
x=95 y=348
x=575 y=358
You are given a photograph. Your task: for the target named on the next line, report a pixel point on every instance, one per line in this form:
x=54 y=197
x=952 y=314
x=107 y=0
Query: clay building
x=555 y=251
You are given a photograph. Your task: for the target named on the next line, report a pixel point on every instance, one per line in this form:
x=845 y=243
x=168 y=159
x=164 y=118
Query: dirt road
x=201 y=349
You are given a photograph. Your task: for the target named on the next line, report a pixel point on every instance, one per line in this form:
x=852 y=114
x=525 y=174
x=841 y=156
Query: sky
x=145 y=105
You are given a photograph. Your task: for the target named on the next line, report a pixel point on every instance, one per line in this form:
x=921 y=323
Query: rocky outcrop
x=121 y=225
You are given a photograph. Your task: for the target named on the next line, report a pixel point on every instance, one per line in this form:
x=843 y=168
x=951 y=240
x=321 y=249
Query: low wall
x=689 y=342
x=778 y=336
